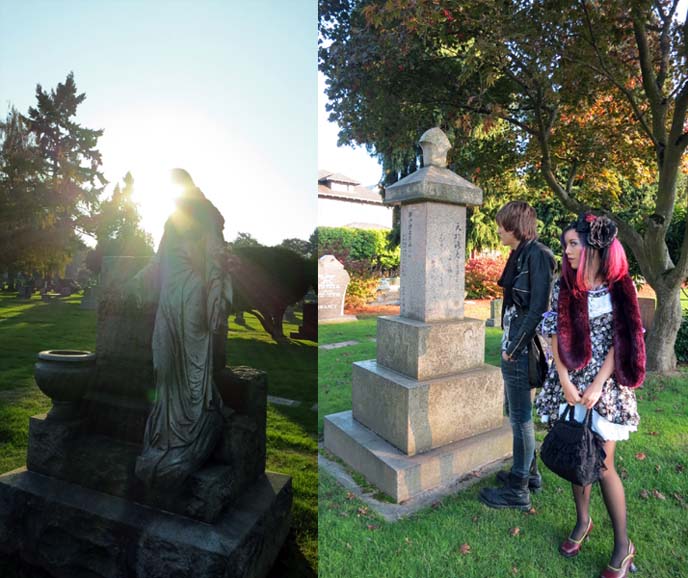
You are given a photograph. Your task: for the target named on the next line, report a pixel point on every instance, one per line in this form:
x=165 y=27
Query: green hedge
x=358 y=245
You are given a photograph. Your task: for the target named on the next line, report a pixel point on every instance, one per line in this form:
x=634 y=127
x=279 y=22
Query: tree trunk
x=661 y=356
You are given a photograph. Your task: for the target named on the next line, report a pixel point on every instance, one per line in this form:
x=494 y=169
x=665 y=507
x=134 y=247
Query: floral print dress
x=616 y=413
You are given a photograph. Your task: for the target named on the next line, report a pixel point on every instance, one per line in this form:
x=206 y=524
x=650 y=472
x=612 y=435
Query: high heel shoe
x=624 y=568
x=570 y=547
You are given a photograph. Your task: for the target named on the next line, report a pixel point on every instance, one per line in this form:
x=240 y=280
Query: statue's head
x=187 y=189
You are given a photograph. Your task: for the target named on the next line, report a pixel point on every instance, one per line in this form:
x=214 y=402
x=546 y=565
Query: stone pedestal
x=495 y=319
x=68 y=530
x=427 y=411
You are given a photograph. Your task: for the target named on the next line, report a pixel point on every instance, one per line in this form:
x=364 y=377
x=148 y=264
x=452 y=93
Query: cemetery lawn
x=460 y=537
x=27 y=327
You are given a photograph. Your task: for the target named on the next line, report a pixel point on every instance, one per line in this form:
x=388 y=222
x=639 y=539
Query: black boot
x=534 y=479
x=514 y=495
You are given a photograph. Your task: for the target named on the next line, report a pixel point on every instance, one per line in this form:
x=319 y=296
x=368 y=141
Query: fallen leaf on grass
x=350 y=496
x=680 y=468
x=362 y=511
x=644 y=494
x=623 y=473
x=515 y=531
x=658 y=468
x=659 y=495
x=532 y=512
x=349 y=546
x=372 y=527
x=408 y=541
x=514 y=570
x=640 y=456
x=464 y=549
x=653 y=433
x=474 y=519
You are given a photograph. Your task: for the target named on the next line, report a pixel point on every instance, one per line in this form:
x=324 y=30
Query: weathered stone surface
x=70 y=531
x=495 y=319
x=332 y=283
x=434 y=184
x=71 y=451
x=402 y=476
x=417 y=416
x=428 y=350
x=433 y=247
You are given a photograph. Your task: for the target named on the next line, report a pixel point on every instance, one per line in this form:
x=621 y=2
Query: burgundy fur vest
x=573 y=332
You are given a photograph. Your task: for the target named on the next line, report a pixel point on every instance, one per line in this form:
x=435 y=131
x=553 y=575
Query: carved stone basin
x=64 y=376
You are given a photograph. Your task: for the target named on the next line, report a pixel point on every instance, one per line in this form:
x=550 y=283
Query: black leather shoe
x=514 y=495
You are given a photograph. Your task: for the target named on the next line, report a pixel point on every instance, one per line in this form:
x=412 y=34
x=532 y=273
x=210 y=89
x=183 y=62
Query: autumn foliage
x=482 y=274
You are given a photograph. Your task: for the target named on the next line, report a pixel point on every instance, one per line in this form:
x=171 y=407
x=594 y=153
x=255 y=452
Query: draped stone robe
x=185 y=422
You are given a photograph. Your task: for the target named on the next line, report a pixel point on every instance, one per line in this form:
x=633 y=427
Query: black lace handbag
x=573 y=451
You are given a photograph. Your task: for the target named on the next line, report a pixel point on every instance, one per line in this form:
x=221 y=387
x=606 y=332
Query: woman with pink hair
x=599 y=359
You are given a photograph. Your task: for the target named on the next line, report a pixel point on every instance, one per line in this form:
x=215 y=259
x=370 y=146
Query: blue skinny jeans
x=520 y=411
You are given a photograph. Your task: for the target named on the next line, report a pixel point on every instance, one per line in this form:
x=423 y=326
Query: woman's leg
x=581 y=496
x=615 y=500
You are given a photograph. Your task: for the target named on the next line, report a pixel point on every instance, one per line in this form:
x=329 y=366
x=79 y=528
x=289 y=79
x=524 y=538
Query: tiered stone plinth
x=68 y=530
x=427 y=411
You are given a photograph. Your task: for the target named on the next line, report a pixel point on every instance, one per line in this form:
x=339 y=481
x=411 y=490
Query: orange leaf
x=464 y=549
x=640 y=456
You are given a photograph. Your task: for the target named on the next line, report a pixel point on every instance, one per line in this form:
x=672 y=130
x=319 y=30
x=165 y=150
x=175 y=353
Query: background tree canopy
x=585 y=102
x=50 y=181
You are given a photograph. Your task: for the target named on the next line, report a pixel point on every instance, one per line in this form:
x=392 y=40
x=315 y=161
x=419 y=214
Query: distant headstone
x=647 y=311
x=495 y=319
x=332 y=283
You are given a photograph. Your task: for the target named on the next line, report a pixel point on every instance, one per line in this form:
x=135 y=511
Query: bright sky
x=223 y=88
x=353 y=162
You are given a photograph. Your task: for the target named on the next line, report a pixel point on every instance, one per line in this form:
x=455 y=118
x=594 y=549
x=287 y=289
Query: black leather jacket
x=531 y=291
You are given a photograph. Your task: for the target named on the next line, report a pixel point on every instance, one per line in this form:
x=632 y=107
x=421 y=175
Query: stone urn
x=64 y=376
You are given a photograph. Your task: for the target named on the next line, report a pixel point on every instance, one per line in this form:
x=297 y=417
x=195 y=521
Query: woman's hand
x=591 y=395
x=571 y=393
x=506 y=357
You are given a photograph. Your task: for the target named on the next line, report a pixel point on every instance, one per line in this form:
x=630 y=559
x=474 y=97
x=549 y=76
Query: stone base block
x=59 y=449
x=402 y=476
x=417 y=416
x=428 y=350
x=67 y=530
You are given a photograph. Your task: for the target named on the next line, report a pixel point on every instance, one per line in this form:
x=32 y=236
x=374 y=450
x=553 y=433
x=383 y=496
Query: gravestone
x=78 y=509
x=427 y=411
x=332 y=283
x=495 y=319
x=647 y=311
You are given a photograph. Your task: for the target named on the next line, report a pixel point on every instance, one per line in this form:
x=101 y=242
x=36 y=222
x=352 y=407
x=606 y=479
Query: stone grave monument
x=332 y=283
x=428 y=411
x=495 y=319
x=78 y=508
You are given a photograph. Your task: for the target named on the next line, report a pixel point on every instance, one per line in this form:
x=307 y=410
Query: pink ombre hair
x=613 y=264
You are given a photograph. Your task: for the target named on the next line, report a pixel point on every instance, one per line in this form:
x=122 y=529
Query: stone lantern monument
x=428 y=411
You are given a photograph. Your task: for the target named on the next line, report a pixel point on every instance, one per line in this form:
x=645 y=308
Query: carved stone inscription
x=332 y=283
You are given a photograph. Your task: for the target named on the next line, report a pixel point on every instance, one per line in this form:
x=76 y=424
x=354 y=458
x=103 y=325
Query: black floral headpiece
x=599 y=232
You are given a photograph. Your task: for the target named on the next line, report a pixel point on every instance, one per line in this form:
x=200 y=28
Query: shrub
x=369 y=245
x=482 y=274
x=681 y=346
x=363 y=284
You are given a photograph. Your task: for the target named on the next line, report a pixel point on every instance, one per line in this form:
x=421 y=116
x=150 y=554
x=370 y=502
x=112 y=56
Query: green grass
x=355 y=542
x=27 y=327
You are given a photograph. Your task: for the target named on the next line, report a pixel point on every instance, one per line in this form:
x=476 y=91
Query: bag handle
x=569 y=413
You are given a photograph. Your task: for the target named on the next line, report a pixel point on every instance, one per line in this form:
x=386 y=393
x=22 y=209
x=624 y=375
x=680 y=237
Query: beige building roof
x=337 y=186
